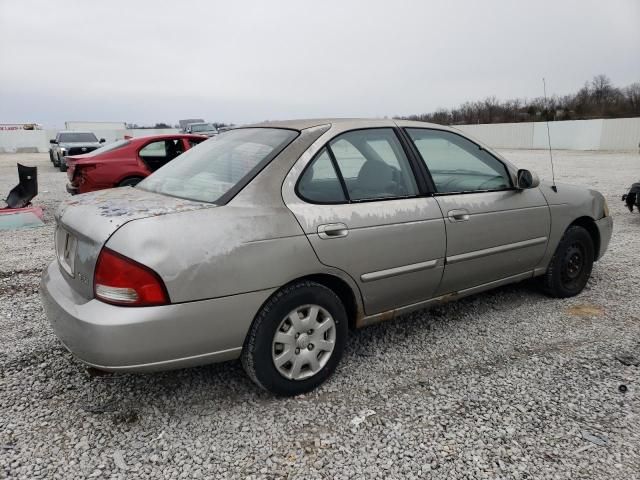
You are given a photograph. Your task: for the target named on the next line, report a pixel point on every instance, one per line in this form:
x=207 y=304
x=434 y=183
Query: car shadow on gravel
x=129 y=397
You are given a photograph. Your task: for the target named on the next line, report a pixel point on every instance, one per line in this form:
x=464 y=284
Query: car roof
x=302 y=124
x=75 y=131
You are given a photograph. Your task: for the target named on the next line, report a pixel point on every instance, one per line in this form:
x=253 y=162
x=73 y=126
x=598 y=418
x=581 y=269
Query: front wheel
x=296 y=341
x=571 y=265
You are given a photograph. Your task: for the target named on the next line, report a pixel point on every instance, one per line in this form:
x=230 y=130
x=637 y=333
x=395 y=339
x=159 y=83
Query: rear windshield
x=77 y=137
x=108 y=148
x=209 y=170
x=202 y=127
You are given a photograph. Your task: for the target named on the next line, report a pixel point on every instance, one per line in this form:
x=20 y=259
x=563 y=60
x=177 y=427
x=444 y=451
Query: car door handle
x=332 y=230
x=460 y=215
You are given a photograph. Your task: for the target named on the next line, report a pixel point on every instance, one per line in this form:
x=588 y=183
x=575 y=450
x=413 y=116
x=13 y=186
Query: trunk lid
x=85 y=223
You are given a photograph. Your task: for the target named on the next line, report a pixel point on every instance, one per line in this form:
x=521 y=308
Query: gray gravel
x=507 y=384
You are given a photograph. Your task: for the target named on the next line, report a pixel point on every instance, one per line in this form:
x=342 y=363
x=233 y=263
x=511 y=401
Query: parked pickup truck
x=71 y=143
x=205 y=129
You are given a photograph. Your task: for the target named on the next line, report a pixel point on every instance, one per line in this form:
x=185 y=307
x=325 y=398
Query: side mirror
x=102 y=140
x=527 y=179
x=53 y=140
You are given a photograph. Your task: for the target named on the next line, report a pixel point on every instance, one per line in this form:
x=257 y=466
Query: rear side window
x=320 y=183
x=458 y=165
x=371 y=166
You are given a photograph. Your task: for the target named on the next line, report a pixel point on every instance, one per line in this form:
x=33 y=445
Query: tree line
x=598 y=98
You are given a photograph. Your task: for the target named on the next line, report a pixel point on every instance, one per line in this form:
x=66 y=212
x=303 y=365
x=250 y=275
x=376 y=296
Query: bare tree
x=632 y=96
x=598 y=98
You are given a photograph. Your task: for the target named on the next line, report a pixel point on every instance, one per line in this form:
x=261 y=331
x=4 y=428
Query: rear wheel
x=296 y=341
x=129 y=182
x=571 y=265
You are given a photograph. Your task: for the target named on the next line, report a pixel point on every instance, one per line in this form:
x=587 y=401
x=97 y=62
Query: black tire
x=258 y=347
x=571 y=265
x=56 y=161
x=51 y=156
x=129 y=182
x=63 y=166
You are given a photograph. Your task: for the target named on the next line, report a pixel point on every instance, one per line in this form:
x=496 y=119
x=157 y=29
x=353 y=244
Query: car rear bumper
x=605 y=228
x=147 y=338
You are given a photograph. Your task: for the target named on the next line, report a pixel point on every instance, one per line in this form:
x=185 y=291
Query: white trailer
x=95 y=126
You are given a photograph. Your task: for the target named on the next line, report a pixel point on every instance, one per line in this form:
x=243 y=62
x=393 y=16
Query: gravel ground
x=506 y=384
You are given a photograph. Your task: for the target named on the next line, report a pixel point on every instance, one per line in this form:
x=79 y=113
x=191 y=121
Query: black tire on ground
x=63 y=166
x=56 y=160
x=51 y=156
x=570 y=267
x=258 y=350
x=129 y=182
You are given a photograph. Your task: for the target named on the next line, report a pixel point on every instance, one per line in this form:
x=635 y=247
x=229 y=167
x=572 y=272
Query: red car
x=125 y=162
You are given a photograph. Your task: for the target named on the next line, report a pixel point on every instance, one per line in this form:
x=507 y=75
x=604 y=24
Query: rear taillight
x=121 y=281
x=79 y=173
x=70 y=171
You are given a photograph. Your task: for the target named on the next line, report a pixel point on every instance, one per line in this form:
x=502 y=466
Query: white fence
x=600 y=134
x=38 y=140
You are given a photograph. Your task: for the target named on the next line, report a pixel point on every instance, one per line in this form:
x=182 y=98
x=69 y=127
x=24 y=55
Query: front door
x=494 y=231
x=359 y=205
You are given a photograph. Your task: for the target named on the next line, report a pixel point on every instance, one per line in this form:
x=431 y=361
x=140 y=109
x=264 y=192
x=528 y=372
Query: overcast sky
x=241 y=61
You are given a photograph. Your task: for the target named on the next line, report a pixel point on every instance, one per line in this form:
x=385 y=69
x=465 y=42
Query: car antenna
x=553 y=174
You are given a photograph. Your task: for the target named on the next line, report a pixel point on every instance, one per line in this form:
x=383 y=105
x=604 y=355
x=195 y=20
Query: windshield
x=202 y=127
x=209 y=170
x=77 y=137
x=108 y=148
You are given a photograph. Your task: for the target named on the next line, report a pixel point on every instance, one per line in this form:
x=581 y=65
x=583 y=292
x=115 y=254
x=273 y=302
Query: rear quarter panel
x=220 y=251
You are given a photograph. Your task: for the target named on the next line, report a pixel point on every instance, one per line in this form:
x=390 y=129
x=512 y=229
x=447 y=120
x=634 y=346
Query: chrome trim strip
x=392 y=272
x=493 y=250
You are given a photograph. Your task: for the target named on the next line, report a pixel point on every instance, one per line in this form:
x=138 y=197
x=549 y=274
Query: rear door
x=158 y=153
x=360 y=204
x=494 y=231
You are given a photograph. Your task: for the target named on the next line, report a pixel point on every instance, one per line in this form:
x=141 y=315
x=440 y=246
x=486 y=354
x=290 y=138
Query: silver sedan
x=268 y=243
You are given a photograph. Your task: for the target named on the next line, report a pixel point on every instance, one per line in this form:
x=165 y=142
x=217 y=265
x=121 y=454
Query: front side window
x=209 y=170
x=457 y=164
